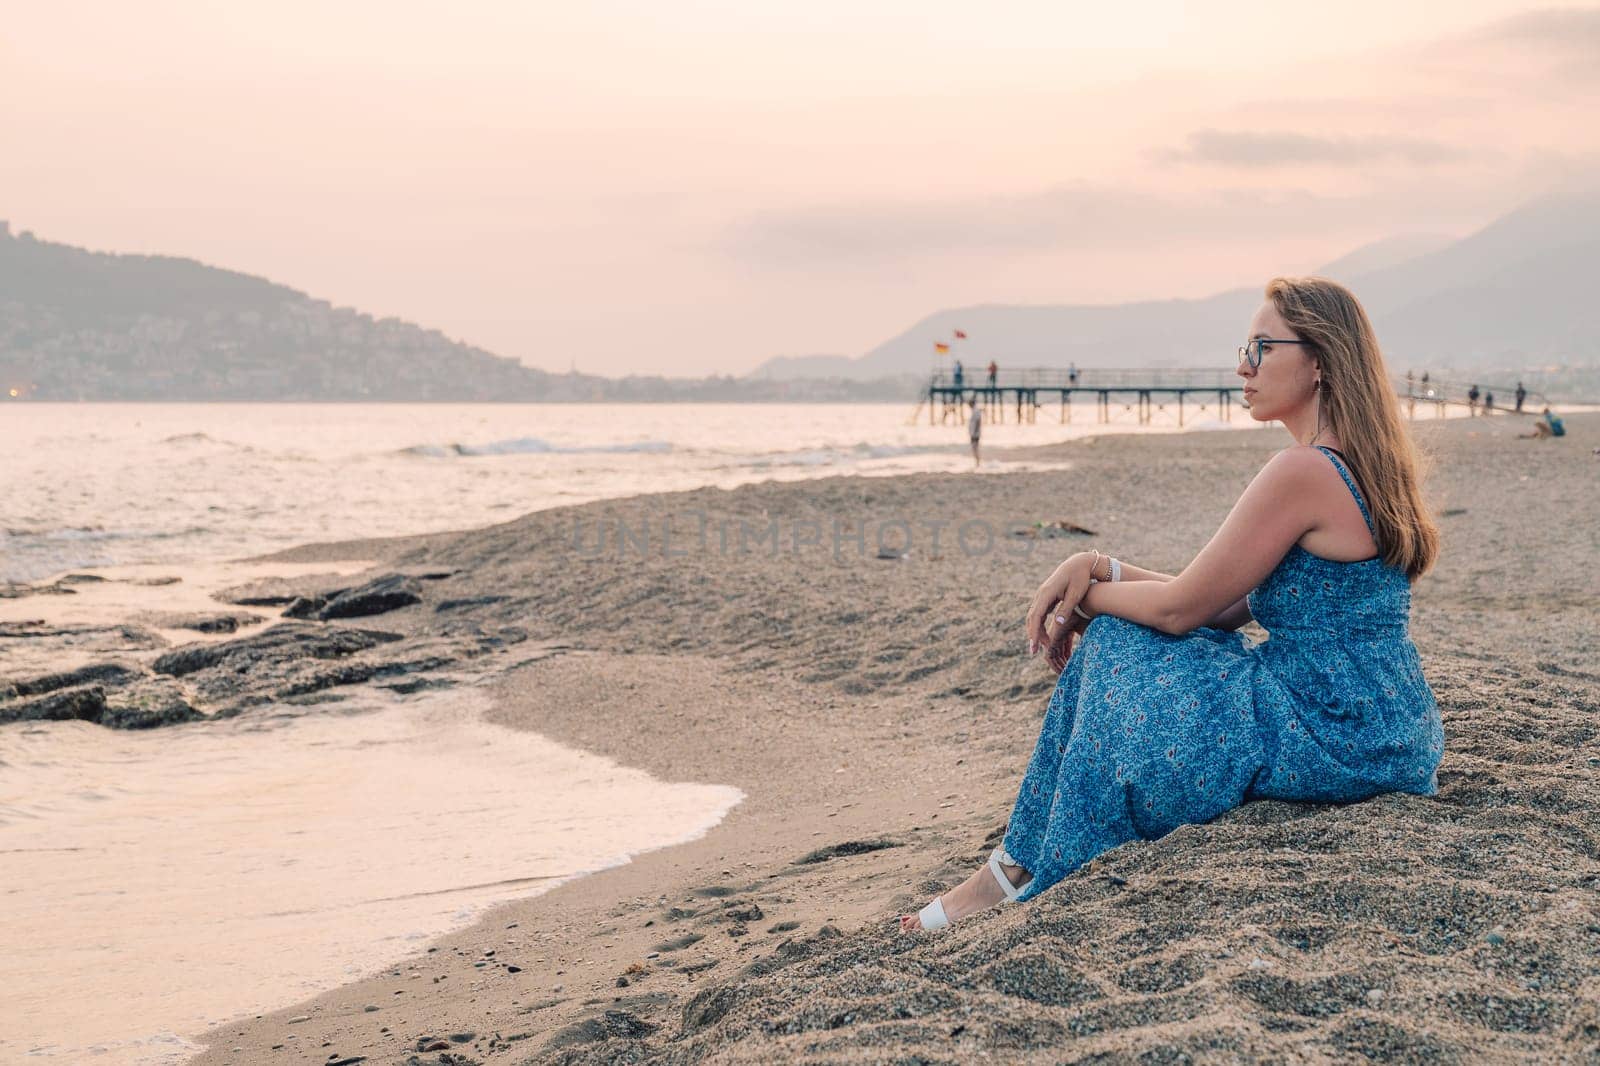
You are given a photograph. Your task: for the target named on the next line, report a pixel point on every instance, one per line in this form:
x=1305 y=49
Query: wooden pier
x=1149 y=396
x=1145 y=394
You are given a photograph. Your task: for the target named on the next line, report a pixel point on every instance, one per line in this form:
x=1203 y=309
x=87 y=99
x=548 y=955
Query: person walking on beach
x=1488 y=403
x=975 y=429
x=1472 y=400
x=1163 y=714
x=1521 y=394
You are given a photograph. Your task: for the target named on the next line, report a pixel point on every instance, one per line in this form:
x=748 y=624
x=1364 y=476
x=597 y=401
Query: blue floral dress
x=1146 y=731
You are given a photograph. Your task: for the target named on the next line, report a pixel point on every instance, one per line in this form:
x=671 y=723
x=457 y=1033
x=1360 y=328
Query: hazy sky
x=693 y=186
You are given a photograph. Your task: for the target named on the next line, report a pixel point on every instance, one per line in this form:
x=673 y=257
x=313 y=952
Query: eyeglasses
x=1251 y=351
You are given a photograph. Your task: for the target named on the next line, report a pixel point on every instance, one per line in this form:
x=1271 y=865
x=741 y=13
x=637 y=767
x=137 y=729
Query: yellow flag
x=940 y=347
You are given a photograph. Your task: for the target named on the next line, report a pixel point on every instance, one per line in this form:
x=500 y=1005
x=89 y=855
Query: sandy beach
x=871 y=695
x=517 y=528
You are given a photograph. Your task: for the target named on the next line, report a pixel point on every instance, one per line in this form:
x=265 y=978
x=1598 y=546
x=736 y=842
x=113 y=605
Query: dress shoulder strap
x=1335 y=458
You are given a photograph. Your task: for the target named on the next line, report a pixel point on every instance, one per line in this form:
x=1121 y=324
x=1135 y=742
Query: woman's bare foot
x=976 y=893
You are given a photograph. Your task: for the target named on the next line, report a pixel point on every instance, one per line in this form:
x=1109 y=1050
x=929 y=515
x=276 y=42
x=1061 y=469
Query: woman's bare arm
x=1277 y=508
x=1232 y=617
x=1139 y=573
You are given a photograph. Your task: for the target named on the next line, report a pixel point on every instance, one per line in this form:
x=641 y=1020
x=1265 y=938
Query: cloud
x=1538 y=53
x=874 y=232
x=1071 y=218
x=1558 y=30
x=1533 y=64
x=1245 y=148
x=1561 y=45
x=1436 y=136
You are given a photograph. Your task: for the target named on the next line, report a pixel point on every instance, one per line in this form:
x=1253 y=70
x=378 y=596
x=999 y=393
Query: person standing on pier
x=994 y=371
x=958 y=373
x=975 y=429
x=1072 y=373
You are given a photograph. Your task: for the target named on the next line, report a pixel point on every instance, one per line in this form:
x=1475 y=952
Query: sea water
x=85 y=485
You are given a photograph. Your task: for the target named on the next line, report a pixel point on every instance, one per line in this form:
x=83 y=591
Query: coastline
x=881 y=708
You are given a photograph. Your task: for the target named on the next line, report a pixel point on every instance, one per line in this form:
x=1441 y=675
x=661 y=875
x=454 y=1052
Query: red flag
x=960 y=336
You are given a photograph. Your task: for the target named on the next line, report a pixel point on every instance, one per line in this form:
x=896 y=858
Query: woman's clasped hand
x=1052 y=623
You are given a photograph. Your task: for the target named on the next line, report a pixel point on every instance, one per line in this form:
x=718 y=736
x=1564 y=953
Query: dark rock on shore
x=147 y=703
x=406 y=686
x=305 y=606
x=387 y=593
x=135 y=707
x=281 y=591
x=260 y=601
x=13 y=591
x=849 y=847
x=86 y=703
x=292 y=661
x=119 y=637
x=295 y=679
x=228 y=622
x=62 y=586
x=297 y=659
x=282 y=643
x=112 y=673
x=331 y=598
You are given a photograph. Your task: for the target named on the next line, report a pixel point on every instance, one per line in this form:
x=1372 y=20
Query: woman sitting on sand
x=1163 y=715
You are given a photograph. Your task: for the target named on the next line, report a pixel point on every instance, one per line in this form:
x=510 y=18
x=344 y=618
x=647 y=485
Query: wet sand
x=878 y=714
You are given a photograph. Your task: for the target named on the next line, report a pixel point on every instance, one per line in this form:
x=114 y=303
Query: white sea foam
x=535 y=446
x=86 y=485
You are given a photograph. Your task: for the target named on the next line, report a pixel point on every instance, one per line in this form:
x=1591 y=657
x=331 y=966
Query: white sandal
x=933 y=917
x=996 y=857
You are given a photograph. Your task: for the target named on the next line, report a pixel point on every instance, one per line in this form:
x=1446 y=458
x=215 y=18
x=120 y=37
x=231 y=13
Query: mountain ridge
x=85 y=325
x=1508 y=294
x=77 y=324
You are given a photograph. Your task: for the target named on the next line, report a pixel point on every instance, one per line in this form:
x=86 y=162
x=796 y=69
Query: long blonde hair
x=1359 y=403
